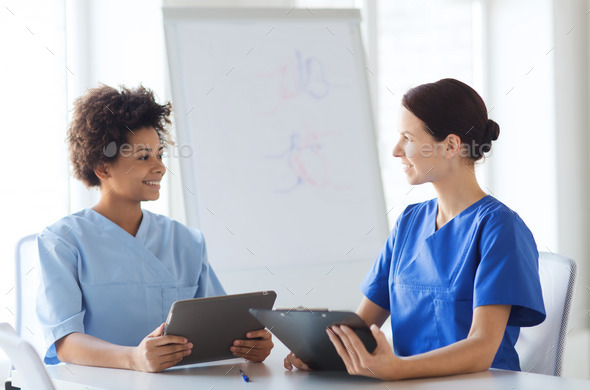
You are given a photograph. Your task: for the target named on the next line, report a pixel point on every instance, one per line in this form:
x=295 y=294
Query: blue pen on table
x=244 y=376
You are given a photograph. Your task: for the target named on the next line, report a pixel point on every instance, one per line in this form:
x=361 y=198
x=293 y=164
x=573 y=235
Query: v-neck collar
x=141 y=234
x=468 y=208
x=152 y=267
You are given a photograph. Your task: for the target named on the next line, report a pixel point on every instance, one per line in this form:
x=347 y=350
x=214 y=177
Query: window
x=34 y=183
x=418 y=42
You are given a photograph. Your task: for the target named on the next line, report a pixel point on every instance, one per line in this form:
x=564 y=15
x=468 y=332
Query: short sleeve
x=209 y=284
x=508 y=273
x=59 y=299
x=375 y=286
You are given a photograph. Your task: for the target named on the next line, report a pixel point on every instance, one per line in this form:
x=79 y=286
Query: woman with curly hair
x=110 y=273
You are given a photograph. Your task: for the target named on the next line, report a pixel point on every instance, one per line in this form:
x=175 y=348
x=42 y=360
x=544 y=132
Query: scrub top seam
x=422 y=287
x=459 y=266
x=61 y=240
x=405 y=240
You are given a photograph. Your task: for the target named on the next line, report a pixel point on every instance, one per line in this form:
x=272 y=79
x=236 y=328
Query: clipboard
x=212 y=324
x=303 y=331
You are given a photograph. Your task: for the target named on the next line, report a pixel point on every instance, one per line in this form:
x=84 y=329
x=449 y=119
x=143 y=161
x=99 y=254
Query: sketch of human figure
x=306 y=160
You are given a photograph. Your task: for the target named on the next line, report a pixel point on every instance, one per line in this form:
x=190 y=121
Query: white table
x=272 y=375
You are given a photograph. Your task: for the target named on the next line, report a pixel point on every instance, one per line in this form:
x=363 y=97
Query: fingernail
x=190 y=345
x=236 y=343
x=185 y=340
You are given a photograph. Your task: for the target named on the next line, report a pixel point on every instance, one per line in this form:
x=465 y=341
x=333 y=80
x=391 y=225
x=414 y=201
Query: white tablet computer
x=212 y=324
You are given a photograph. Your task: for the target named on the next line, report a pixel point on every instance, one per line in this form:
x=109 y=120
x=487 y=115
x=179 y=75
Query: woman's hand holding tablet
x=157 y=352
x=293 y=361
x=381 y=363
x=256 y=349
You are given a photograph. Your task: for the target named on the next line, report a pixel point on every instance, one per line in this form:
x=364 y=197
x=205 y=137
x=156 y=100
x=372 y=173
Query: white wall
x=570 y=29
x=33 y=110
x=537 y=81
x=32 y=107
x=418 y=42
x=520 y=96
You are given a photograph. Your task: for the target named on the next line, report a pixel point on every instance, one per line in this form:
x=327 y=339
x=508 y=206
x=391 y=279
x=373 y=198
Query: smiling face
x=423 y=158
x=136 y=174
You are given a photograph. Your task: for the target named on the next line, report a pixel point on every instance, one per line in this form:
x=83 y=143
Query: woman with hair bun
x=458 y=275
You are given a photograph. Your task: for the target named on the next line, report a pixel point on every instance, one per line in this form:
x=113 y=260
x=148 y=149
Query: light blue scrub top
x=98 y=279
x=431 y=280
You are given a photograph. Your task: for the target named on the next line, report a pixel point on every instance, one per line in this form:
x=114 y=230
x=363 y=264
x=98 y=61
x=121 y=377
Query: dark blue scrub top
x=431 y=280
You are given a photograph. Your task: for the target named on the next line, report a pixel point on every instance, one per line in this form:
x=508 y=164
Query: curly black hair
x=103 y=119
